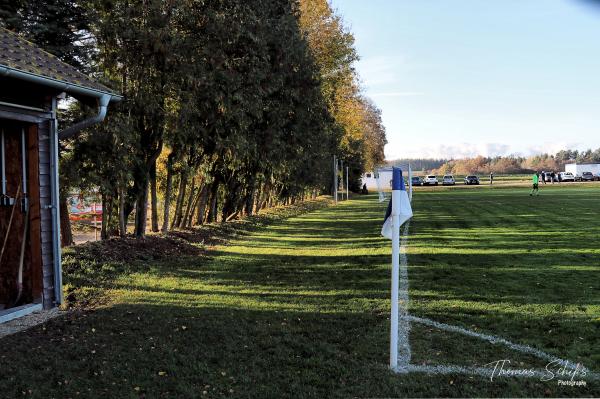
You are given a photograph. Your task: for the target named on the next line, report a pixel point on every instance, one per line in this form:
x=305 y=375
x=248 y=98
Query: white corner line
x=404 y=349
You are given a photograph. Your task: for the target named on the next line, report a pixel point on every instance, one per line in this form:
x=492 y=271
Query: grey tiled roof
x=20 y=54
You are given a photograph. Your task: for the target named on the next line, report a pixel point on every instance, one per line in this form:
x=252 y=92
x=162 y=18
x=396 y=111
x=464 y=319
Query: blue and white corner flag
x=404 y=209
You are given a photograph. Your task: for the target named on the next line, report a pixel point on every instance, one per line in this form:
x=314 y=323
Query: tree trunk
x=65 y=223
x=153 y=197
x=141 y=209
x=190 y=218
x=188 y=209
x=249 y=205
x=234 y=215
x=266 y=189
x=229 y=206
x=106 y=209
x=257 y=196
x=180 y=200
x=122 y=218
x=168 y=193
x=212 y=210
x=202 y=205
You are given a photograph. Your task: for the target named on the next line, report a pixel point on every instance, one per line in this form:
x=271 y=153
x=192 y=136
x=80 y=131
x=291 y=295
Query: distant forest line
x=510 y=164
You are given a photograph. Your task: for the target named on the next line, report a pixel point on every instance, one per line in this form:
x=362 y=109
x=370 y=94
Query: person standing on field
x=491 y=177
x=543 y=177
x=535 y=188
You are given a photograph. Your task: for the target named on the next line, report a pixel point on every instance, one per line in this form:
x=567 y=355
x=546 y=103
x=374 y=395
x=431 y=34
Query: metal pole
x=410 y=183
x=347 y=184
x=342 y=171
x=3 y=155
x=58 y=292
x=23 y=162
x=396 y=188
x=24 y=201
x=335 y=179
x=95 y=220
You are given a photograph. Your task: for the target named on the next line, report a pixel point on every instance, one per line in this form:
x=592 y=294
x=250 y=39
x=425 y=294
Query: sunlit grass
x=300 y=308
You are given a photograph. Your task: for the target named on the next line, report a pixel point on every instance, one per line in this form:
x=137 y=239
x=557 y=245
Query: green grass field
x=300 y=308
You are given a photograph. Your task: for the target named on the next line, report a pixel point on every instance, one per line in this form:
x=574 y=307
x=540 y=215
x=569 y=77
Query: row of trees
x=230 y=106
x=515 y=164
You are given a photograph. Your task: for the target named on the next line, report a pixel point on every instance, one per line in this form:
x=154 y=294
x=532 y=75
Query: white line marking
x=480 y=371
x=404 y=350
x=496 y=340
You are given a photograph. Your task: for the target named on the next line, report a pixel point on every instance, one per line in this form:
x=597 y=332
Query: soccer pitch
x=300 y=308
x=499 y=262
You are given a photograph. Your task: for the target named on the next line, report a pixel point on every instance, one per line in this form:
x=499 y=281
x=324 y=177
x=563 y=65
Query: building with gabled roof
x=31 y=82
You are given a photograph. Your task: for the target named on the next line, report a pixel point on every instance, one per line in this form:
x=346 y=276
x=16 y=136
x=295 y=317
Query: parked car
x=548 y=177
x=471 y=179
x=430 y=180
x=567 y=176
x=448 y=180
x=597 y=176
x=587 y=176
x=417 y=181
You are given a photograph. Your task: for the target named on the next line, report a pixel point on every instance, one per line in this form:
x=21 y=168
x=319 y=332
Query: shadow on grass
x=289 y=311
x=169 y=351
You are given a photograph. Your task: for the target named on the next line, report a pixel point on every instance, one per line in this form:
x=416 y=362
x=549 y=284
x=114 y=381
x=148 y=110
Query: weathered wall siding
x=46 y=213
x=34 y=213
x=12 y=232
x=32 y=260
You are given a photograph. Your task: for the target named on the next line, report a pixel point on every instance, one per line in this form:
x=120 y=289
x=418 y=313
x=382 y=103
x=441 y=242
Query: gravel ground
x=26 y=322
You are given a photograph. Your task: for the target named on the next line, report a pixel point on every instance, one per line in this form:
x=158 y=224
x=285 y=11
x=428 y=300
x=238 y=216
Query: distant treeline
x=419 y=163
x=504 y=165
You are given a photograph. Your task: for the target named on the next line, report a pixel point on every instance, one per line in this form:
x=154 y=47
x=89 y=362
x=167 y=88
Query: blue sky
x=480 y=77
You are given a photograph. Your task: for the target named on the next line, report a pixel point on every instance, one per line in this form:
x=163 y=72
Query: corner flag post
x=397 y=186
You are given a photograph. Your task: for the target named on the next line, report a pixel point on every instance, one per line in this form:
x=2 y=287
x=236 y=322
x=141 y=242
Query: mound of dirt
x=130 y=249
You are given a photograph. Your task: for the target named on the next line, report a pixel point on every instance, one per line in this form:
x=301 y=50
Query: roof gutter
x=76 y=128
x=104 y=98
x=70 y=88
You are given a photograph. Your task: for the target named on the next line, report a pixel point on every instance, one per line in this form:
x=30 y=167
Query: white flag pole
x=396 y=188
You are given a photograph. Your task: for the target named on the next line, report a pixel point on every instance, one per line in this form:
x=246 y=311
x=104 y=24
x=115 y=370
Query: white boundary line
x=404 y=350
x=479 y=371
x=495 y=340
